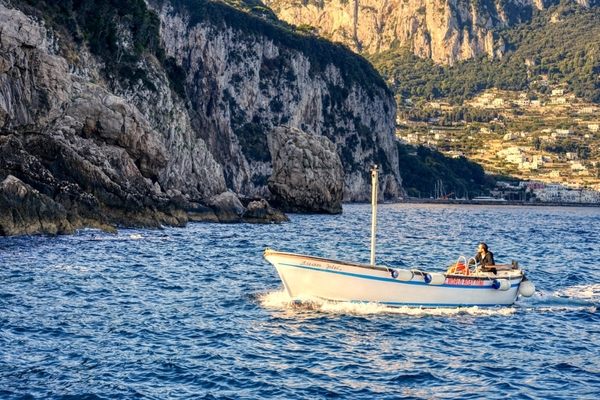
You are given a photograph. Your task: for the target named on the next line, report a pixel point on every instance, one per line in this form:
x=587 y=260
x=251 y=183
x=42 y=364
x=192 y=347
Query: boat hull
x=307 y=277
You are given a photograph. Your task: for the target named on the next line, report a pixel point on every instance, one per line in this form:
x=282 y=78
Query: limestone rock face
x=443 y=30
x=109 y=158
x=307 y=172
x=111 y=119
x=242 y=86
x=25 y=211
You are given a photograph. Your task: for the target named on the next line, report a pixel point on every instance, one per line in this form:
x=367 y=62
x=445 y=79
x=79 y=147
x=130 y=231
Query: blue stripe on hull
x=399 y=304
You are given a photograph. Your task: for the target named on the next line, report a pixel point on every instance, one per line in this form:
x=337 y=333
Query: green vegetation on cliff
x=561 y=43
x=421 y=167
x=119 y=32
x=254 y=19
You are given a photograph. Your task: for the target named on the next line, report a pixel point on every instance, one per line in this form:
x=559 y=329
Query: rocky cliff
x=75 y=140
x=107 y=161
x=244 y=82
x=443 y=30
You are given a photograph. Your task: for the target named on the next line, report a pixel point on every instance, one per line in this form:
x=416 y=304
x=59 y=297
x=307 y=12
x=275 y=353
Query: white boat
x=488 y=198
x=306 y=278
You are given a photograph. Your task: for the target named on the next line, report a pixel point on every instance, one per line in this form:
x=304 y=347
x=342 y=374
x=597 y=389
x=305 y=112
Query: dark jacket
x=486 y=260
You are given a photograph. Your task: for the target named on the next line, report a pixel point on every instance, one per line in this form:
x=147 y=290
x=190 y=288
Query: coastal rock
x=108 y=159
x=227 y=207
x=307 y=172
x=260 y=212
x=25 y=211
x=110 y=119
x=138 y=154
x=83 y=209
x=200 y=213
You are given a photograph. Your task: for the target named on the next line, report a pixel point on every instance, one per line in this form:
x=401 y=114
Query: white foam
x=282 y=301
x=587 y=292
x=275 y=300
x=71 y=268
x=574 y=298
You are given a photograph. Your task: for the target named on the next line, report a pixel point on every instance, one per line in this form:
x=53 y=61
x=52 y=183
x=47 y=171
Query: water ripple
x=198 y=313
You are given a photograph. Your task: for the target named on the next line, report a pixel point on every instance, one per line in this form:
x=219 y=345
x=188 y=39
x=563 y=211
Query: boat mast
x=374 y=190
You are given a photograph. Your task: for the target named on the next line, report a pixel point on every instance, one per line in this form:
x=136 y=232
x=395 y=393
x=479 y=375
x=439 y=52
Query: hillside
x=429 y=173
x=560 y=43
x=452 y=64
x=532 y=116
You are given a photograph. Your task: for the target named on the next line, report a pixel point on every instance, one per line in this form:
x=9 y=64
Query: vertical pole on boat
x=374 y=190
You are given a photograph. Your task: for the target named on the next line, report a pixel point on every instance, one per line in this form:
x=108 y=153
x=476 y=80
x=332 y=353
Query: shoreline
x=499 y=203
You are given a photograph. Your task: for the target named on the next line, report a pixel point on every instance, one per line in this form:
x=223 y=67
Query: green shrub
x=253 y=141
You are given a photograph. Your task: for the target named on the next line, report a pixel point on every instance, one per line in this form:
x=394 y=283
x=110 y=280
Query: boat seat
x=498 y=267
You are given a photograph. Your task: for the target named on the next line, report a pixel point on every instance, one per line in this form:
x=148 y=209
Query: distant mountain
x=444 y=31
x=560 y=45
x=453 y=49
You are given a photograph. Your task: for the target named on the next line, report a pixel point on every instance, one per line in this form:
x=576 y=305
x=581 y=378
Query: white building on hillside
x=578 y=167
x=522 y=102
x=587 y=110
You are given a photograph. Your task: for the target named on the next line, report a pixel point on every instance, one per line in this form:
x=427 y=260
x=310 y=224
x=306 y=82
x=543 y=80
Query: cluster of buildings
x=519 y=156
x=549 y=167
x=558 y=97
x=516 y=155
x=553 y=192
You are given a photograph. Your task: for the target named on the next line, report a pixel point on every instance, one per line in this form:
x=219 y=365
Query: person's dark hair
x=484 y=246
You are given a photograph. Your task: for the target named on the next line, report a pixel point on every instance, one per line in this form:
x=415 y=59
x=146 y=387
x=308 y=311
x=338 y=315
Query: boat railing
x=463 y=258
x=476 y=270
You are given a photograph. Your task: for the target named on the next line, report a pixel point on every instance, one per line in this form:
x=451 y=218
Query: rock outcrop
x=25 y=211
x=228 y=207
x=260 y=211
x=445 y=31
x=307 y=172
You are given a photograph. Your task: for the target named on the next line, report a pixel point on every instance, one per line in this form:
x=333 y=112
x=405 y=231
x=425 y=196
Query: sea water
x=196 y=312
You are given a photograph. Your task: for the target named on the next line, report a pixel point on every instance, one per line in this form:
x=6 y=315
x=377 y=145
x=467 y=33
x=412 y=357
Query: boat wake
x=581 y=297
x=280 y=300
x=584 y=292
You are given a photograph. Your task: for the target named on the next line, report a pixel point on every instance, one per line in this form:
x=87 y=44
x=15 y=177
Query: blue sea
x=196 y=312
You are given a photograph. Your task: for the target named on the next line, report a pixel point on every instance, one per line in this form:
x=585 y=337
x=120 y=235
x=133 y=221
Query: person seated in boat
x=484 y=256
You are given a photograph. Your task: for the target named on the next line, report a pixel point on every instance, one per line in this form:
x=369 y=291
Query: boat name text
x=464 y=282
x=319 y=265
x=311 y=264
